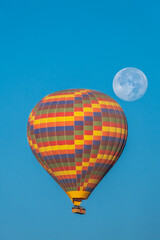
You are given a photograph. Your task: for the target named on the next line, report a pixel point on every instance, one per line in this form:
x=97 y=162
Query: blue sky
x=47 y=46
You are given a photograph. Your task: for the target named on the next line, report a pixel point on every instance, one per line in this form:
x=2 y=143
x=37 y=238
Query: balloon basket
x=78 y=210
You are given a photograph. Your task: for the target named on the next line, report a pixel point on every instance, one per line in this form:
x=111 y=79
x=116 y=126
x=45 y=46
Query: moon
x=130 y=84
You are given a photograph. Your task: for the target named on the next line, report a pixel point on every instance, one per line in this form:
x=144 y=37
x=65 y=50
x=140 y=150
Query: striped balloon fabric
x=77 y=135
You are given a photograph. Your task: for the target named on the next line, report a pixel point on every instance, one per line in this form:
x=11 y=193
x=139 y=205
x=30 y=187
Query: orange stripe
x=78 y=118
x=65 y=123
x=57 y=99
x=88 y=142
x=66 y=176
x=84 y=168
x=97 y=138
x=96 y=109
x=78 y=146
x=88 y=114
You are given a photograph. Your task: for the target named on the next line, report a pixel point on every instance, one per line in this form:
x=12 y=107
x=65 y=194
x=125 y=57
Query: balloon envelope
x=77 y=136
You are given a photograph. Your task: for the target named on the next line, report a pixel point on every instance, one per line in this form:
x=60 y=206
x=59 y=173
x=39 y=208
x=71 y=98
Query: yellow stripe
x=61 y=173
x=79 y=142
x=95 y=106
x=115 y=104
x=56 y=147
x=85 y=164
x=108 y=157
x=78 y=168
x=42 y=149
x=109 y=103
x=54 y=119
x=84 y=91
x=111 y=157
x=105 y=157
x=88 y=137
x=49 y=148
x=49 y=170
x=85 y=109
x=59 y=96
x=100 y=156
x=76 y=114
x=38 y=121
x=67 y=118
x=97 y=133
x=93 y=181
x=35 y=146
x=113 y=129
x=93 y=160
x=32 y=118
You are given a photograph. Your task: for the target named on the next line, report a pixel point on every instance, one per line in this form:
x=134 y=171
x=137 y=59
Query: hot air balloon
x=77 y=136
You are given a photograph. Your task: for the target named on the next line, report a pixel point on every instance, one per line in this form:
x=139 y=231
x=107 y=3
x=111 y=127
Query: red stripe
x=61 y=169
x=94 y=102
x=88 y=132
x=87 y=105
x=78 y=109
x=98 y=128
x=79 y=137
x=69 y=113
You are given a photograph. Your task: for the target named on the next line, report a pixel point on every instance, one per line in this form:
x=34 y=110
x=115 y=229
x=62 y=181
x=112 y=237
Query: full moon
x=130 y=84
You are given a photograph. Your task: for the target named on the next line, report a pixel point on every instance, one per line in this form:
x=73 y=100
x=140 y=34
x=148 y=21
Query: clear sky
x=47 y=46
